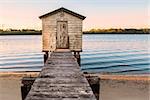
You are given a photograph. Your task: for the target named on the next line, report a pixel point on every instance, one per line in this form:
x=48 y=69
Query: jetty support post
x=77 y=56
x=45 y=56
x=94 y=82
x=27 y=82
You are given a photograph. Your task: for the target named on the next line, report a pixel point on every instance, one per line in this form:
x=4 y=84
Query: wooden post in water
x=45 y=56
x=77 y=56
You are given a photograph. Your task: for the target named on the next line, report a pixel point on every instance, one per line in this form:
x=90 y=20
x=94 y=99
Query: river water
x=103 y=53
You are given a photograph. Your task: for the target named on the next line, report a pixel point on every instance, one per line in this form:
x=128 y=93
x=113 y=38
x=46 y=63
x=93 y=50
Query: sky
x=99 y=13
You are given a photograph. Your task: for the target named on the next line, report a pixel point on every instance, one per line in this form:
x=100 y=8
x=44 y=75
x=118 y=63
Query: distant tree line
x=20 y=32
x=92 y=31
x=119 y=31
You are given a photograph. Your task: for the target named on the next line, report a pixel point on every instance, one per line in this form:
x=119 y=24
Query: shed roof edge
x=64 y=10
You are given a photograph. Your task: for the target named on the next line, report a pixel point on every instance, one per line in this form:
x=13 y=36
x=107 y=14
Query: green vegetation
x=92 y=31
x=20 y=32
x=118 y=31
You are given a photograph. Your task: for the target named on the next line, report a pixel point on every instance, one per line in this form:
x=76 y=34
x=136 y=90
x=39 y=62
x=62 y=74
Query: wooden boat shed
x=62 y=29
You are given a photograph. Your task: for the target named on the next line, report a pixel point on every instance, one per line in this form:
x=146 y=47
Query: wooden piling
x=94 y=81
x=26 y=82
x=45 y=56
x=77 y=56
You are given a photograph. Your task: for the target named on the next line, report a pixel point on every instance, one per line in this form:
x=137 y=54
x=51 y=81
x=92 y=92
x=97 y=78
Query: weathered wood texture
x=49 y=31
x=62 y=35
x=61 y=79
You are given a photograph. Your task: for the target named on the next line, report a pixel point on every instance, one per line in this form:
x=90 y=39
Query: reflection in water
x=121 y=54
x=19 y=44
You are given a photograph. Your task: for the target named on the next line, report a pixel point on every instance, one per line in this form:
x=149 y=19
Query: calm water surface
x=116 y=54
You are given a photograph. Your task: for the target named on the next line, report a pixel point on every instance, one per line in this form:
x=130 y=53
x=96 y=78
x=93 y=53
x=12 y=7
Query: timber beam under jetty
x=61 y=79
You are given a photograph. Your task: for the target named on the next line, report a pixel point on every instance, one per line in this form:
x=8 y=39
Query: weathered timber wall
x=49 y=31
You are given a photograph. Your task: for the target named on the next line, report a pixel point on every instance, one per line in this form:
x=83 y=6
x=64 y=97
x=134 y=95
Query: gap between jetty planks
x=61 y=79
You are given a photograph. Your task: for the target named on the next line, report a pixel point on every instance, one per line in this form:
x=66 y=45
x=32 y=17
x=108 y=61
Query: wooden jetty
x=61 y=79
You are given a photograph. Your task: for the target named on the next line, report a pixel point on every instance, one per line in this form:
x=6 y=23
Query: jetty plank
x=61 y=79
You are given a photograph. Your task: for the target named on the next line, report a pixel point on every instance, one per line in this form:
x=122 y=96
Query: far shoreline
x=91 y=31
x=84 y=33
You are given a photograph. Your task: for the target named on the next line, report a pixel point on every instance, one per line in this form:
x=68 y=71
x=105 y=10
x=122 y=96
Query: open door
x=62 y=35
